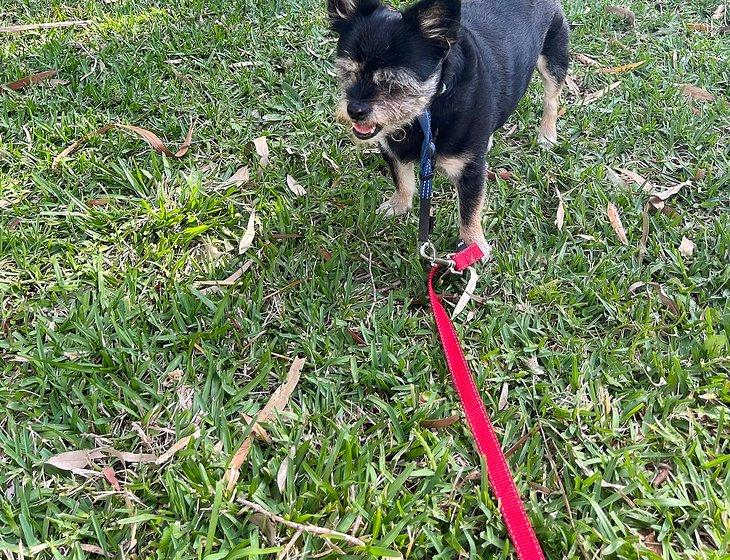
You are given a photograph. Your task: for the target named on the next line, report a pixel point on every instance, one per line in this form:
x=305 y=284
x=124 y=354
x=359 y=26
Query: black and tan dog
x=469 y=62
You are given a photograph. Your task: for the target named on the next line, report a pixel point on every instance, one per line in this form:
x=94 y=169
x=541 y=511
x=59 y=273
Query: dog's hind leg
x=552 y=65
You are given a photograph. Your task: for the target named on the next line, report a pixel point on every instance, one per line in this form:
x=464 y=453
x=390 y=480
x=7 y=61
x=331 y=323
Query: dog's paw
x=546 y=140
x=394 y=206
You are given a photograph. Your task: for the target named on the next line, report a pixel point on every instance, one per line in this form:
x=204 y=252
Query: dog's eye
x=346 y=68
x=396 y=80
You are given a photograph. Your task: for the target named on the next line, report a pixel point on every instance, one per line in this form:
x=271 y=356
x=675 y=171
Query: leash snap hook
x=427 y=251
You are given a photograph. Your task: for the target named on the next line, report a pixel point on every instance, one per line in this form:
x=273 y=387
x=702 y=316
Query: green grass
x=105 y=332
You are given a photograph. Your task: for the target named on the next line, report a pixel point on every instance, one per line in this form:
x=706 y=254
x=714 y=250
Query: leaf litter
x=150 y=137
x=615 y=220
x=276 y=403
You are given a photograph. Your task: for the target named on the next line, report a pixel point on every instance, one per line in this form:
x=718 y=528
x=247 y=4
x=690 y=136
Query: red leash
x=500 y=478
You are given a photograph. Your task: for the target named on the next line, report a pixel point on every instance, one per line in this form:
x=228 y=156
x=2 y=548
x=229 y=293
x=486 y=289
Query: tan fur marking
x=344 y=8
x=452 y=166
x=432 y=23
x=551 y=102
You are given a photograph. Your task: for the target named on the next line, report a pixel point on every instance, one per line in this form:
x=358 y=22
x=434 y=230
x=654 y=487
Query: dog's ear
x=342 y=11
x=436 y=20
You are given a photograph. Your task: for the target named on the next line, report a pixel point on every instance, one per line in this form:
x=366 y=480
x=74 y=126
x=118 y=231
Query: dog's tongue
x=363 y=128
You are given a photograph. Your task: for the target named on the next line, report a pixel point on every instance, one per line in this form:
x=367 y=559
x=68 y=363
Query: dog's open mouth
x=365 y=130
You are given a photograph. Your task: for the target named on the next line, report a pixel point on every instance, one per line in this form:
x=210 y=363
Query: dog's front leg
x=405 y=186
x=471 y=188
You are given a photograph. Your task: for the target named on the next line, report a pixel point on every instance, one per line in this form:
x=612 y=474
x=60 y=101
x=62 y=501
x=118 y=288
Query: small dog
x=471 y=64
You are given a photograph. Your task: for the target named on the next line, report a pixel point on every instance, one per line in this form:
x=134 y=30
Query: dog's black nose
x=358 y=110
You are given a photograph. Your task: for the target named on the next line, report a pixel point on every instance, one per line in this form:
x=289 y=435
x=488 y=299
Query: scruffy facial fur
x=469 y=64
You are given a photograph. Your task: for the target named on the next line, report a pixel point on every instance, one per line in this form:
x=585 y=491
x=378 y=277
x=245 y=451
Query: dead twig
x=305 y=527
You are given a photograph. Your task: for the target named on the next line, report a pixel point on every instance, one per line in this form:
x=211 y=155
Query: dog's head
x=389 y=62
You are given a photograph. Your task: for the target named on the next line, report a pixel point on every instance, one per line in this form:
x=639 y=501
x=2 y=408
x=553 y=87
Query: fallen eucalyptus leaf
x=295 y=187
x=664 y=298
x=440 y=423
x=615 y=219
x=696 y=93
x=30 y=80
x=622 y=13
x=686 y=247
x=249 y=234
x=560 y=216
x=262 y=149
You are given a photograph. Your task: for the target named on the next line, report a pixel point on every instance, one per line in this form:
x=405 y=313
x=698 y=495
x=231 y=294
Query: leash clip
x=428 y=252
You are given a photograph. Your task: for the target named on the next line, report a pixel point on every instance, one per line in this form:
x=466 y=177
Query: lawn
x=613 y=401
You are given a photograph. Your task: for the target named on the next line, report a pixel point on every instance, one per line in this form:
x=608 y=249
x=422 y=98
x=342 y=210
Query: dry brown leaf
x=703 y=27
x=127 y=457
x=614 y=178
x=623 y=68
x=14 y=223
x=30 y=80
x=240 y=177
x=277 y=402
x=151 y=138
x=719 y=12
x=661 y=475
x=266 y=526
x=686 y=247
x=503 y=395
x=154 y=141
x=177 y=446
x=77 y=461
x=55 y=82
x=258 y=430
x=586 y=237
x=93 y=549
x=572 y=85
x=658 y=198
x=74 y=460
x=501 y=173
x=247 y=240
x=295 y=187
x=262 y=149
x=50 y=25
x=356 y=336
x=623 y=13
x=468 y=293
x=282 y=474
x=697 y=93
x=329 y=160
x=97 y=202
x=629 y=175
x=596 y=95
x=650 y=542
x=214 y=286
x=585 y=59
x=663 y=297
x=615 y=220
x=441 y=423
x=534 y=366
x=560 y=216
x=111 y=478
